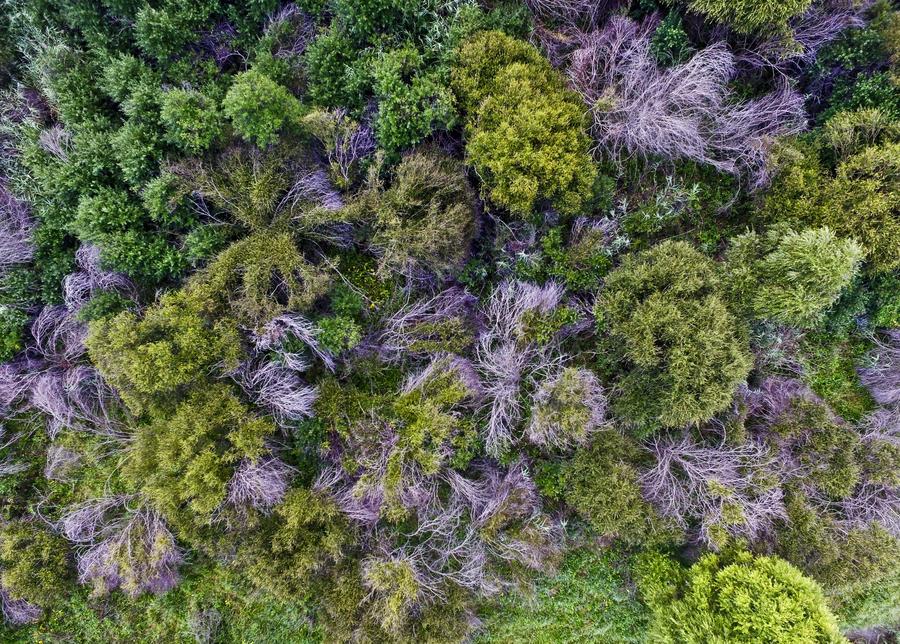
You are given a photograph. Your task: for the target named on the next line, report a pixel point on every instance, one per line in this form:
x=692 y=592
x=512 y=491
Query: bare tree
x=882 y=378
x=260 y=484
x=714 y=489
x=683 y=112
x=122 y=543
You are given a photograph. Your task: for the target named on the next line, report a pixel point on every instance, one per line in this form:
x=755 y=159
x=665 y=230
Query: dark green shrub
x=192 y=120
x=337 y=75
x=412 y=101
x=12 y=331
x=670 y=43
x=259 y=108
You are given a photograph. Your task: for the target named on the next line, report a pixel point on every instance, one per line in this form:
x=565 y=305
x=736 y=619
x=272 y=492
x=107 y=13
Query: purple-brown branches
x=122 y=543
x=17 y=612
x=809 y=32
x=259 y=484
x=882 y=378
x=16 y=227
x=683 y=112
x=717 y=490
x=90 y=279
x=279 y=330
x=408 y=331
x=293 y=29
x=507 y=359
x=278 y=389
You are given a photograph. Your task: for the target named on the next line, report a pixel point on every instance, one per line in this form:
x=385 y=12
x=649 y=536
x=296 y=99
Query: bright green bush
x=684 y=351
x=737 y=597
x=749 y=16
x=192 y=119
x=33 y=563
x=861 y=202
x=790 y=277
x=259 y=108
x=525 y=131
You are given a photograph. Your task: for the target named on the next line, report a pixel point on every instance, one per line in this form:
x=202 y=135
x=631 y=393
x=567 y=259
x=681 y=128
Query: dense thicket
x=448 y=321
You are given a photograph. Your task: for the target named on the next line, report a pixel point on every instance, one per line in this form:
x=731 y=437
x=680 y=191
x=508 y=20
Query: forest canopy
x=450 y=321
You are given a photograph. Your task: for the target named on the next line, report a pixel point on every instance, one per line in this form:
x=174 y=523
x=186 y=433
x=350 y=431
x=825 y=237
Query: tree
x=860 y=202
x=153 y=359
x=183 y=460
x=683 y=351
x=734 y=597
x=259 y=108
x=425 y=221
x=525 y=129
x=33 y=563
x=192 y=119
x=790 y=277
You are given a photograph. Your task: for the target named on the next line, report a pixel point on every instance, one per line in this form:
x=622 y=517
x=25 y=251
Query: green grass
x=588 y=600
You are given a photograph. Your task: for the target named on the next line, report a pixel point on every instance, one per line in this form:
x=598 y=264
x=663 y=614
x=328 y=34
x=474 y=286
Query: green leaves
x=259 y=108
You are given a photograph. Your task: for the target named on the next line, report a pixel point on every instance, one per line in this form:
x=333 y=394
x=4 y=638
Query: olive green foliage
x=33 y=563
x=750 y=16
x=152 y=359
x=183 y=460
x=828 y=450
x=411 y=101
x=525 y=130
x=308 y=534
x=735 y=597
x=860 y=202
x=192 y=119
x=683 y=350
x=846 y=562
x=259 y=108
x=601 y=484
x=260 y=277
x=852 y=131
x=790 y=277
x=580 y=264
x=587 y=600
x=426 y=219
x=12 y=330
